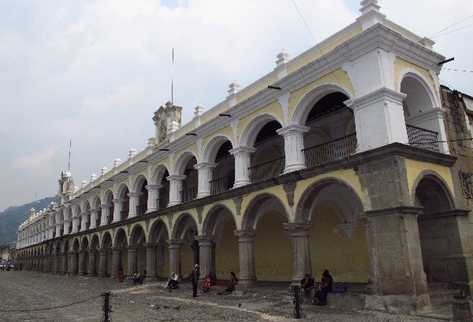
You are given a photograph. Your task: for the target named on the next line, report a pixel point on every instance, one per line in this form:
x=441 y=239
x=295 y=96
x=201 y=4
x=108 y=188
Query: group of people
x=318 y=292
x=207 y=283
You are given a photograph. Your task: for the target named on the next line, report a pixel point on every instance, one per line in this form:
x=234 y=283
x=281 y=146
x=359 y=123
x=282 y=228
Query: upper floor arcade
x=370 y=85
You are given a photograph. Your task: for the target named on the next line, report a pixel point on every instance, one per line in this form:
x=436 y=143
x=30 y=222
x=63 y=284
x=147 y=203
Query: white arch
x=249 y=134
x=212 y=147
x=157 y=173
x=305 y=104
x=182 y=160
x=138 y=180
x=431 y=92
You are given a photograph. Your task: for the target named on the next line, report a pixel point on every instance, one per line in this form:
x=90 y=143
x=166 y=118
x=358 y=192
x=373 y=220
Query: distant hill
x=12 y=217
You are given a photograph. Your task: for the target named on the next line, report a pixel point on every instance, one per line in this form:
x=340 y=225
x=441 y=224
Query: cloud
x=36 y=161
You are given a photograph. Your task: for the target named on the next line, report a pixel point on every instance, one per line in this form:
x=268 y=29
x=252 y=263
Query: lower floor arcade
x=344 y=223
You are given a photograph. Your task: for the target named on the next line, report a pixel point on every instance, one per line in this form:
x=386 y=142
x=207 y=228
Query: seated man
x=173 y=282
x=308 y=284
x=231 y=285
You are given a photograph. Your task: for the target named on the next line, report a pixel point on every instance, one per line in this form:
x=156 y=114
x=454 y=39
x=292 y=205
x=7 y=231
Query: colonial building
x=336 y=159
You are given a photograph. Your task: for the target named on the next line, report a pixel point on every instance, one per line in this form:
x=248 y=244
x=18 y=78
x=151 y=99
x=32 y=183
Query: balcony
x=423 y=138
x=221 y=184
x=266 y=170
x=337 y=149
x=188 y=194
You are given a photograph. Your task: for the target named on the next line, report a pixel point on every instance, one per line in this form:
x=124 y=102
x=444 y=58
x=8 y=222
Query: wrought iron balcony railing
x=188 y=194
x=221 y=184
x=266 y=170
x=423 y=138
x=330 y=151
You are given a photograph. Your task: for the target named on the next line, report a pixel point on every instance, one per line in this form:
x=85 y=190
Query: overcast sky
x=95 y=71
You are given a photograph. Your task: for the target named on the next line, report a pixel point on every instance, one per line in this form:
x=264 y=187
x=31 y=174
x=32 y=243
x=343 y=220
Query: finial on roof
x=282 y=58
x=369 y=5
x=233 y=88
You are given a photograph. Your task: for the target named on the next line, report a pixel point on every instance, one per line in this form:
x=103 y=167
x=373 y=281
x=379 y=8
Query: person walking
x=195 y=279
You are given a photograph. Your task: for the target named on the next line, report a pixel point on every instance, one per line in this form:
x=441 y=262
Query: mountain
x=12 y=217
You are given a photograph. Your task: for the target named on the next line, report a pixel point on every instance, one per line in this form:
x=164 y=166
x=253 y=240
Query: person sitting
x=308 y=284
x=231 y=285
x=173 y=282
x=207 y=283
x=326 y=286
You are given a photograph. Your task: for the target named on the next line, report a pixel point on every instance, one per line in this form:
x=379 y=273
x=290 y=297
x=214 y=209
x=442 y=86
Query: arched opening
x=331 y=135
x=163 y=190
x=337 y=235
x=110 y=206
x=422 y=119
x=142 y=196
x=219 y=226
x=159 y=237
x=124 y=198
x=266 y=216
x=98 y=210
x=186 y=231
x=95 y=256
x=84 y=256
x=268 y=159
x=223 y=174
x=86 y=214
x=189 y=184
x=121 y=245
x=439 y=233
x=137 y=245
x=107 y=248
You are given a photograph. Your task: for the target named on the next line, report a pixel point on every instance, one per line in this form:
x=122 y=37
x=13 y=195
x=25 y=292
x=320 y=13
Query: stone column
x=83 y=224
x=74 y=268
x=204 y=176
x=379 y=119
x=102 y=262
x=133 y=204
x=67 y=226
x=132 y=267
x=153 y=195
x=396 y=255
x=58 y=230
x=175 y=188
x=205 y=255
x=117 y=209
x=246 y=249
x=293 y=147
x=91 y=266
x=105 y=214
x=299 y=234
x=82 y=262
x=151 y=260
x=93 y=218
x=115 y=261
x=242 y=163
x=75 y=224
x=175 y=256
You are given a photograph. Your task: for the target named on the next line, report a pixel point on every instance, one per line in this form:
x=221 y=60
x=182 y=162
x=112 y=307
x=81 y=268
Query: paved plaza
x=23 y=293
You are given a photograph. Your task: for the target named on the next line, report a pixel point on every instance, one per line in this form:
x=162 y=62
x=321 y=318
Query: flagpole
x=172 y=77
x=69 y=160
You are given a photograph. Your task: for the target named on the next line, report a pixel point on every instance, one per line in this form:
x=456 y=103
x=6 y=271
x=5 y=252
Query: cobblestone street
x=25 y=291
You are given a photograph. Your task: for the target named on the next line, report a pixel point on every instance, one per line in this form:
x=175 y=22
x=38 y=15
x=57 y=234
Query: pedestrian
x=195 y=279
x=207 y=283
x=326 y=286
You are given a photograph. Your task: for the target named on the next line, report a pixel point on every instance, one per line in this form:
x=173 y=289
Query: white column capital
x=293 y=128
x=242 y=149
x=176 y=177
x=150 y=187
x=201 y=165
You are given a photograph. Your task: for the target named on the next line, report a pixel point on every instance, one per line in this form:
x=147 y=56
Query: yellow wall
x=400 y=65
x=415 y=168
x=273 y=250
x=346 y=258
x=226 y=252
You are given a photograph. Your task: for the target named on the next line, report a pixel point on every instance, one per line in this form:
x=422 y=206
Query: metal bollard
x=106 y=307
x=297 y=301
